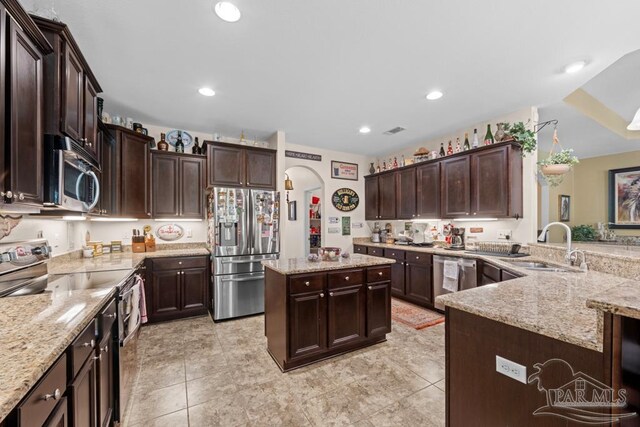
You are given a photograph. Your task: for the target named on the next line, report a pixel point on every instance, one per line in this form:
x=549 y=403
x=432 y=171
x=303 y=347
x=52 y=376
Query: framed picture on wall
x=624 y=198
x=344 y=170
x=564 y=208
x=293 y=211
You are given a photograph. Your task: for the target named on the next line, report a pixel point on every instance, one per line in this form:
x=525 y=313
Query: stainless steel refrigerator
x=243 y=230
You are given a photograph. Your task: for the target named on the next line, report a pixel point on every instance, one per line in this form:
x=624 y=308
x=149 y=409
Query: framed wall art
x=624 y=198
x=564 y=208
x=344 y=170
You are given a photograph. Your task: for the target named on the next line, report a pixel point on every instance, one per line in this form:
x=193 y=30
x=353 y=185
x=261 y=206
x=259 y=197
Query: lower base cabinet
x=411 y=276
x=82 y=395
x=105 y=381
x=60 y=415
x=313 y=316
x=177 y=287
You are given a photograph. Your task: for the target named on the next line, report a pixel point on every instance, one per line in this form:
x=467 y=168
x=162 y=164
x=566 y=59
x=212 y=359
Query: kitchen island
x=317 y=310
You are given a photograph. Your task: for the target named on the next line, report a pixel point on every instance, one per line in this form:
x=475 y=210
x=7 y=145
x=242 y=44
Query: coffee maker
x=457 y=238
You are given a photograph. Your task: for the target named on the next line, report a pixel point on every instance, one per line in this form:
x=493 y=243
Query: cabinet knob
x=21 y=196
x=475 y=213
x=370 y=287
x=110 y=316
x=322 y=295
x=83 y=139
x=307 y=283
x=105 y=349
x=179 y=262
x=417 y=257
x=346 y=278
x=55 y=395
x=8 y=194
x=91 y=344
x=330 y=294
x=148 y=213
x=178 y=273
x=379 y=273
x=413 y=216
x=466 y=213
x=98 y=357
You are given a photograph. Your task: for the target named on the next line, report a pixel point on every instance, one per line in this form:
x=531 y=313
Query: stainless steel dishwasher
x=467 y=275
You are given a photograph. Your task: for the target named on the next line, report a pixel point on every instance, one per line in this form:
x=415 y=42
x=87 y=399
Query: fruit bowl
x=329 y=254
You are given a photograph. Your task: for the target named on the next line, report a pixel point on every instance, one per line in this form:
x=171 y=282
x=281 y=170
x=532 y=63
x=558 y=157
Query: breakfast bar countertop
x=549 y=303
x=623 y=300
x=302 y=265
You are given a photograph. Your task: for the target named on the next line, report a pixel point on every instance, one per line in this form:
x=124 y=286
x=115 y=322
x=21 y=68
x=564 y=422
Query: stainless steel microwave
x=71 y=176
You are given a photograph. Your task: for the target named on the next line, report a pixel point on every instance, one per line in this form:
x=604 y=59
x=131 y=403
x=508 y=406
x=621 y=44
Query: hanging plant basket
x=555 y=169
x=558 y=164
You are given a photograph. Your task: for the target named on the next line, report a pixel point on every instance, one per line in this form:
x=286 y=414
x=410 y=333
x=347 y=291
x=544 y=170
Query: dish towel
x=450 y=281
x=134 y=317
x=143 y=300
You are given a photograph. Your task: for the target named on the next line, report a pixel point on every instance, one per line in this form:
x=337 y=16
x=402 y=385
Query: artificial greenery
x=584 y=233
x=525 y=137
x=564 y=157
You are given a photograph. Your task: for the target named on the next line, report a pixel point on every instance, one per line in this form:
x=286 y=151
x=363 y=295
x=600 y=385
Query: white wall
x=523 y=230
x=107 y=231
x=323 y=170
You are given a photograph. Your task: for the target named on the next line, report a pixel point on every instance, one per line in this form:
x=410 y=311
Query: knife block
x=138 y=247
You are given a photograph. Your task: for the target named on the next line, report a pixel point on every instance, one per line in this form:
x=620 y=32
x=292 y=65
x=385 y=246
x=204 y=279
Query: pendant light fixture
x=288 y=185
x=635 y=123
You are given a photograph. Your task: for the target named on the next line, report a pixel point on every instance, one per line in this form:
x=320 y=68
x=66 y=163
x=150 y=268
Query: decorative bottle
x=449 y=149
x=162 y=144
x=488 y=138
x=179 y=143
x=441 y=153
x=458 y=147
x=196 y=147
x=466 y=145
x=475 y=138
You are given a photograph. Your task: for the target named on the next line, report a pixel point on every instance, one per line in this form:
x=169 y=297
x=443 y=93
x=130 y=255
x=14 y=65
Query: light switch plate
x=511 y=369
x=504 y=234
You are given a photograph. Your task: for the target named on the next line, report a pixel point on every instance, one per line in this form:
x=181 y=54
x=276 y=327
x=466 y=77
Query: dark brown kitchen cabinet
x=82 y=395
x=359 y=249
x=105 y=381
x=230 y=165
x=313 y=316
x=177 y=185
x=307 y=317
x=456 y=187
x=109 y=178
x=70 y=89
x=387 y=196
x=397 y=271
x=406 y=194
x=178 y=287
x=428 y=191
x=490 y=273
x=371 y=199
x=60 y=416
x=131 y=173
x=418 y=278
x=23 y=179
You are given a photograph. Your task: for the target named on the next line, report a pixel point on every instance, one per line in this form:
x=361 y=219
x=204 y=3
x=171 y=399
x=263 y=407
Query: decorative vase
x=555 y=169
x=372 y=170
x=500 y=133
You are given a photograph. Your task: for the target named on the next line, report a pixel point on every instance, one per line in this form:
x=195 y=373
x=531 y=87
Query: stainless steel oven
x=71 y=176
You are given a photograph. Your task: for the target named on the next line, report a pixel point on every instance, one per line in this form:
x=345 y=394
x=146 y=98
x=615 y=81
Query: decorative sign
x=344 y=170
x=357 y=225
x=476 y=230
x=334 y=230
x=345 y=199
x=346 y=225
x=303 y=156
x=334 y=220
x=170 y=232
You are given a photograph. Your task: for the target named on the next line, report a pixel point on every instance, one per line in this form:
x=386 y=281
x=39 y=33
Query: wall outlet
x=511 y=369
x=189 y=233
x=504 y=234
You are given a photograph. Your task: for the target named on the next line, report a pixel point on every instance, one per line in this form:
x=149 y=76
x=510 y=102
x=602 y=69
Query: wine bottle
x=449 y=149
x=162 y=144
x=395 y=162
x=203 y=149
x=458 y=148
x=384 y=165
x=466 y=142
x=196 y=147
x=403 y=163
x=488 y=138
x=179 y=143
x=475 y=138
x=378 y=167
x=441 y=154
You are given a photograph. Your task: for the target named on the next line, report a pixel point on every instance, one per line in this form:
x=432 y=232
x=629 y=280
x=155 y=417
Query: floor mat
x=413 y=315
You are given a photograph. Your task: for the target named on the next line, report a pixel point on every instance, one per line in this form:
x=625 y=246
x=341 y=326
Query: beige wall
x=588 y=187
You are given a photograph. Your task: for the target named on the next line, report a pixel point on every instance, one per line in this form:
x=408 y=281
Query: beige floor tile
x=441 y=384
x=218 y=387
x=176 y=419
x=423 y=408
x=339 y=407
x=210 y=414
x=156 y=403
x=159 y=373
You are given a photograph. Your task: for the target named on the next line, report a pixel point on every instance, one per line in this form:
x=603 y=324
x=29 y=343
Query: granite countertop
x=623 y=300
x=117 y=261
x=302 y=265
x=549 y=303
x=36 y=329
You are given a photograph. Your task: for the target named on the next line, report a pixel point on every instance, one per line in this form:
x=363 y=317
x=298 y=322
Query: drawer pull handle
x=346 y=278
x=91 y=344
x=105 y=349
x=322 y=295
x=380 y=273
x=307 y=283
x=110 y=316
x=55 y=395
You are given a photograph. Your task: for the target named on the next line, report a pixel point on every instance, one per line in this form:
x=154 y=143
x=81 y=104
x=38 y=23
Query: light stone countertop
x=302 y=265
x=623 y=300
x=34 y=331
x=553 y=304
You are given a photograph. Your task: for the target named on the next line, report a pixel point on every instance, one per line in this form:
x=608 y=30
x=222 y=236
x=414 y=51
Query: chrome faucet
x=543 y=235
x=573 y=259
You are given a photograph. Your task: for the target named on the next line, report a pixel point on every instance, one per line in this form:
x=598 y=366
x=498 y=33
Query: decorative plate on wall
x=170 y=232
x=172 y=136
x=345 y=199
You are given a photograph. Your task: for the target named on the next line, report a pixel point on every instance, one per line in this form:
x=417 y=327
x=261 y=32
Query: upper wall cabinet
x=22 y=48
x=230 y=165
x=177 y=185
x=70 y=97
x=485 y=182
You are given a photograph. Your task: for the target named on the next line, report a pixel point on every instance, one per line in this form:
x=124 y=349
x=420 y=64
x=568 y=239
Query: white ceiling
x=320 y=70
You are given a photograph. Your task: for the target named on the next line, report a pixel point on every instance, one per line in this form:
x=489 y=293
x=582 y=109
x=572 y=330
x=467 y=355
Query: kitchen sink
x=541 y=266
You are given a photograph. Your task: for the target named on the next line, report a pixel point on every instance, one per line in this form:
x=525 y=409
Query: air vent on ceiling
x=395 y=130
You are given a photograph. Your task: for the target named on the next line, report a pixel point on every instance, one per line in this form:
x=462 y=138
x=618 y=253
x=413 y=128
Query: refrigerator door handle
x=250 y=220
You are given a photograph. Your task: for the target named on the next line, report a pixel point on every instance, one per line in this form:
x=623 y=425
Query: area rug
x=414 y=316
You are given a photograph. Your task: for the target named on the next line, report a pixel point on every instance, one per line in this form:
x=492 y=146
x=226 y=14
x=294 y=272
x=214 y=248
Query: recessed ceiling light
x=432 y=96
x=365 y=129
x=206 y=91
x=575 y=67
x=227 y=11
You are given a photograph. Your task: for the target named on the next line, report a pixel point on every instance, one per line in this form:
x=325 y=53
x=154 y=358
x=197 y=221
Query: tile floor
x=197 y=373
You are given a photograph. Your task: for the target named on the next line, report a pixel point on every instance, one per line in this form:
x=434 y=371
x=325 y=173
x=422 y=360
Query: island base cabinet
x=308 y=324
x=311 y=317
x=475 y=390
x=60 y=416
